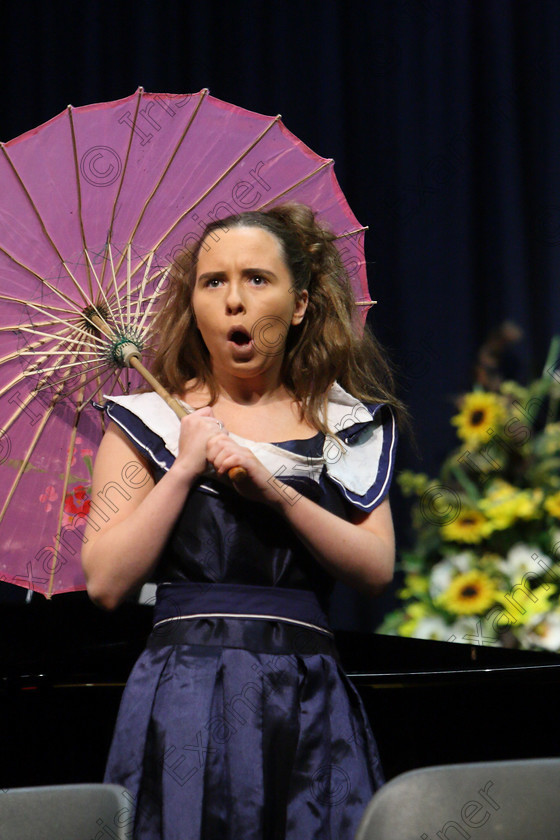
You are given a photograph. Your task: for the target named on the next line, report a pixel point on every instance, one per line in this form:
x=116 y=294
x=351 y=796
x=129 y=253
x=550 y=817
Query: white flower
x=521 y=559
x=472 y=630
x=443 y=572
x=542 y=631
x=466 y=630
x=433 y=628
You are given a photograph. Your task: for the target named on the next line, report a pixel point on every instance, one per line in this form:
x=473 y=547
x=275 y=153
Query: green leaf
x=553 y=354
x=465 y=482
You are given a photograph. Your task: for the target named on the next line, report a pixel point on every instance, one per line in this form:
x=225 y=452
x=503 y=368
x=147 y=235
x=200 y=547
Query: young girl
x=237 y=720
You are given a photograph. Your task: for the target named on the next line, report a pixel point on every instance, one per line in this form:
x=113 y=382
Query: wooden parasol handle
x=131 y=358
x=235 y=473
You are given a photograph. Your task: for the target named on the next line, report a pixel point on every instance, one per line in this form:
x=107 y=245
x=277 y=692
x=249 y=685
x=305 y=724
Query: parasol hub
x=123 y=350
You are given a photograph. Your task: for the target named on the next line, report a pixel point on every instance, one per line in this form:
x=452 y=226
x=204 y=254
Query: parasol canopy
x=94 y=207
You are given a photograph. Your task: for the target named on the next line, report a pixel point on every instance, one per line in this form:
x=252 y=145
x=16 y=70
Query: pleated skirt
x=238 y=722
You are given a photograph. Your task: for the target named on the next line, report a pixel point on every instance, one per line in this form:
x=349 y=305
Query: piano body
x=64 y=663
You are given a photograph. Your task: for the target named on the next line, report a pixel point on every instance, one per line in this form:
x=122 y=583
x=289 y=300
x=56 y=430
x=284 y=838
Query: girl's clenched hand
x=197 y=429
x=259 y=484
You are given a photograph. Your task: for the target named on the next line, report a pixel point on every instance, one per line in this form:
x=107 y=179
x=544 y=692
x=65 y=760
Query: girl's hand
x=259 y=485
x=197 y=429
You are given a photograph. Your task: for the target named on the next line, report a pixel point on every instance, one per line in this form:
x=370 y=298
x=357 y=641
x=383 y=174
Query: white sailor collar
x=355 y=466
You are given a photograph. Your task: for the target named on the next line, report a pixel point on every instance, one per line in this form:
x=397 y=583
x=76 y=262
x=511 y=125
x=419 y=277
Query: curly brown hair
x=329 y=345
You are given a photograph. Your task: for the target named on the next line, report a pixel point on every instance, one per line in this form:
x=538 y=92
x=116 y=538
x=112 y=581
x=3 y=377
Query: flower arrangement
x=485 y=567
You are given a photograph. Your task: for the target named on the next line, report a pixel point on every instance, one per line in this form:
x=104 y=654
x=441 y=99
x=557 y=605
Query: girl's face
x=244 y=303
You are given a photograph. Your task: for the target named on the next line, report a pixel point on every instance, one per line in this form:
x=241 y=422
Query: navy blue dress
x=237 y=720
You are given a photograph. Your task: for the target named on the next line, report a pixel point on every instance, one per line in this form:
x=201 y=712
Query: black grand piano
x=64 y=663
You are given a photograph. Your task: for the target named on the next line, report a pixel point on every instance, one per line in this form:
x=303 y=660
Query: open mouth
x=239 y=336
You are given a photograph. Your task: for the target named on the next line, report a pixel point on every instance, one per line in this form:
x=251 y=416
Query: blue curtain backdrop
x=443 y=117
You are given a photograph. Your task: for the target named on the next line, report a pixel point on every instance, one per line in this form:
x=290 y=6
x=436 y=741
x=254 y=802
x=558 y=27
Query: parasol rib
x=45 y=353
x=117 y=297
x=18 y=380
x=16 y=354
x=23 y=375
x=36 y=371
x=100 y=284
x=202 y=96
x=354 y=232
x=79 y=190
x=344 y=235
x=98 y=390
x=160 y=271
x=26 y=458
x=140 y=299
x=67 y=378
x=42 y=370
x=25 y=462
x=18 y=412
x=62 y=335
x=75 y=327
x=41 y=222
x=224 y=174
x=324 y=165
x=128 y=278
x=15 y=327
x=64 y=492
x=55 y=337
x=39 y=343
x=40 y=309
x=151 y=302
x=33 y=443
x=140 y=91
x=95 y=376
x=44 y=282
x=123 y=321
x=347 y=235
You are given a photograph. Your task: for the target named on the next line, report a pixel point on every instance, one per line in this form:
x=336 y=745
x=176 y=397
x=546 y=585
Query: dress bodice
x=222 y=537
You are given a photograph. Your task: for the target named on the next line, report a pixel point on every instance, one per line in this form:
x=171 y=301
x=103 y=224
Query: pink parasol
x=94 y=206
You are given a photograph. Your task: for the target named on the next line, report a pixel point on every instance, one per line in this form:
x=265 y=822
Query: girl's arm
x=360 y=552
x=120 y=554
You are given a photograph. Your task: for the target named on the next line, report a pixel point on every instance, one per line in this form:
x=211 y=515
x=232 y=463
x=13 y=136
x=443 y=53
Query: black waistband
x=257 y=618
x=179 y=599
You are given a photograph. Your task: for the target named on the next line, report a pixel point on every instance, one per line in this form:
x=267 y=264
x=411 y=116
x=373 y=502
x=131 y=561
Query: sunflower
x=471 y=526
x=471 y=593
x=480 y=412
x=552 y=505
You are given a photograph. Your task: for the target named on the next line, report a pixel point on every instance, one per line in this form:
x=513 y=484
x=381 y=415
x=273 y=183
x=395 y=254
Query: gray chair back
x=510 y=800
x=66 y=812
